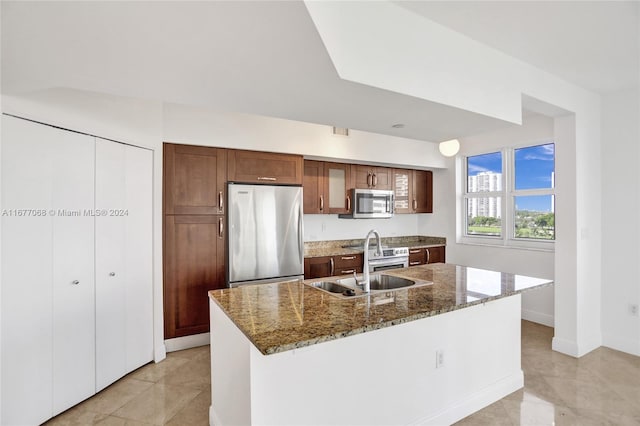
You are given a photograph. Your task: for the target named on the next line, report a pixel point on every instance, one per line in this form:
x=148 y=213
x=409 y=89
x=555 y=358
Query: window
x=509 y=197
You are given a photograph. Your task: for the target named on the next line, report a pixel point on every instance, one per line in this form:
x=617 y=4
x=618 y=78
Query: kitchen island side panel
x=230 y=371
x=386 y=376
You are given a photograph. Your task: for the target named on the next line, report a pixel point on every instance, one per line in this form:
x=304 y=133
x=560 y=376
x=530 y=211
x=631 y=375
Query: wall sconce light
x=449 y=148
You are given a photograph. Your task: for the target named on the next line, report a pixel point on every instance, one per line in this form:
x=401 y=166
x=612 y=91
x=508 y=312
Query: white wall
x=200 y=126
x=538 y=305
x=620 y=226
x=322 y=227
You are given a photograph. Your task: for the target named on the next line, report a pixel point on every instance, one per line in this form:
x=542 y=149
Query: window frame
x=508 y=195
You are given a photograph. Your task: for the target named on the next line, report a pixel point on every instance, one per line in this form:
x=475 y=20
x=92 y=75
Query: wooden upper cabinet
x=194 y=179
x=367 y=177
x=337 y=184
x=422 y=191
x=402 y=190
x=313 y=187
x=326 y=187
x=264 y=167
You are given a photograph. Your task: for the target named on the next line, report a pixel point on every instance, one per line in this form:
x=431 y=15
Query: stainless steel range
x=391 y=258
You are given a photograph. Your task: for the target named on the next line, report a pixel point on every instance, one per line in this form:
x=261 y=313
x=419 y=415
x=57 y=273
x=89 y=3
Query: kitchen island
x=288 y=353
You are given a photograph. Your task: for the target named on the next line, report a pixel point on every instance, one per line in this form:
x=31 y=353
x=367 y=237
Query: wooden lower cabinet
x=424 y=255
x=193 y=264
x=328 y=266
x=435 y=254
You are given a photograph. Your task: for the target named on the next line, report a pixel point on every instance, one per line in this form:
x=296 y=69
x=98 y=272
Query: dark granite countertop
x=283 y=316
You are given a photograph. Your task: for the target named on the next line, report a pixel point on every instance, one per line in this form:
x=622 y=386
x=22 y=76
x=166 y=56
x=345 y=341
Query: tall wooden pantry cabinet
x=76 y=267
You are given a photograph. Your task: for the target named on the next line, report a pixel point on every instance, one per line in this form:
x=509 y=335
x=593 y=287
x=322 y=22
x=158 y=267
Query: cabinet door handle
x=75 y=282
x=220 y=227
x=348 y=257
x=428 y=255
x=321 y=203
x=415 y=204
x=369 y=179
x=414 y=263
x=347 y=271
x=348 y=203
x=332 y=266
x=414 y=251
x=220 y=201
x=112 y=274
x=267 y=178
x=374 y=179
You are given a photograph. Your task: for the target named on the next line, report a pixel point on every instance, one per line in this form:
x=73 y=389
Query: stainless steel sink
x=389 y=282
x=331 y=286
x=380 y=282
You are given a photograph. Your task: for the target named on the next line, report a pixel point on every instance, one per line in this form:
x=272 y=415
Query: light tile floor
x=601 y=388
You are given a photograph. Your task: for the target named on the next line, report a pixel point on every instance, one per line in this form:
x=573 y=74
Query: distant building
x=485 y=206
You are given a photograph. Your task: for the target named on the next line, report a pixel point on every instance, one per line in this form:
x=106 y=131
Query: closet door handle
x=75 y=282
x=220 y=227
x=220 y=201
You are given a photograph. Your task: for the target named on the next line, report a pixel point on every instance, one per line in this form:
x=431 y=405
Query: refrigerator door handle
x=300 y=239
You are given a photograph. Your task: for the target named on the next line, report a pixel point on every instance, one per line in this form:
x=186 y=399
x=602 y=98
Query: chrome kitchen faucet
x=366 y=279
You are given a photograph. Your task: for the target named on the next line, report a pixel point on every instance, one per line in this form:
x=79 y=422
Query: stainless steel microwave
x=371 y=204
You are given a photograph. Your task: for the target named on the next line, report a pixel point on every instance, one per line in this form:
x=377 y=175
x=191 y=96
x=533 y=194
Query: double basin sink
x=346 y=287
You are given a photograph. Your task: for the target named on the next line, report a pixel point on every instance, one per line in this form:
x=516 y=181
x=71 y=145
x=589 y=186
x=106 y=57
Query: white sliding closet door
x=110 y=263
x=27 y=174
x=139 y=256
x=73 y=270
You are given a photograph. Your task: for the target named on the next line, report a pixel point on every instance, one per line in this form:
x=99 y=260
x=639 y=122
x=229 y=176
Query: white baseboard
x=567 y=347
x=187 y=342
x=622 y=344
x=538 y=317
x=213 y=418
x=477 y=401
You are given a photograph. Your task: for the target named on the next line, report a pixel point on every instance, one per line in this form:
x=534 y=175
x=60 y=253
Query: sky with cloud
x=534 y=167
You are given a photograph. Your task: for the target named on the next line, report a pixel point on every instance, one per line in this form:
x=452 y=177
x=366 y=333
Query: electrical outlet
x=633 y=310
x=439 y=358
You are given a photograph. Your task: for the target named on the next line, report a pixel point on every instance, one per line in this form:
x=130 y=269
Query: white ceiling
x=593 y=44
x=267 y=57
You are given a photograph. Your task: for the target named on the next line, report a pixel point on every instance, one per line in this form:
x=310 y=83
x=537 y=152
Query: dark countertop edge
x=270 y=350
x=338 y=251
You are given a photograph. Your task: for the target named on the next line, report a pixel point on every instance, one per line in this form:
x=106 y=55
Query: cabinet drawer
x=417 y=256
x=347 y=271
x=347 y=260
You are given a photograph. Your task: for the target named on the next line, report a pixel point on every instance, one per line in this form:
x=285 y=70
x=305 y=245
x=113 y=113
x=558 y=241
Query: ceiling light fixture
x=449 y=148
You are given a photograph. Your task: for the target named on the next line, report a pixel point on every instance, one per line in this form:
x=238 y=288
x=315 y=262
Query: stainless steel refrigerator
x=265 y=234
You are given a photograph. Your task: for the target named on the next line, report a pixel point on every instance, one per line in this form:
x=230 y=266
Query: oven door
x=392 y=263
